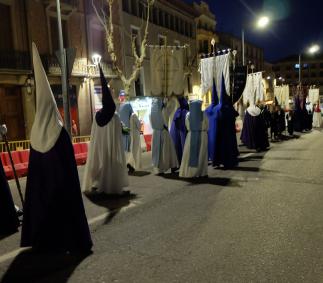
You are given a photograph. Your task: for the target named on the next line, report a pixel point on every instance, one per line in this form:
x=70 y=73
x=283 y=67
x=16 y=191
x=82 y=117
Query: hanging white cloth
x=134 y=156
x=213 y=68
x=254 y=90
x=201 y=170
x=172 y=78
x=282 y=95
x=206 y=69
x=313 y=95
x=106 y=169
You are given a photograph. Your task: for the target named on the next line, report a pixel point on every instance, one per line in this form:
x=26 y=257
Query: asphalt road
x=262 y=222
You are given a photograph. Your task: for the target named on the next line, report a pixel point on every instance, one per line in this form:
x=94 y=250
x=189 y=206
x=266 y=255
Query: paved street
x=262 y=222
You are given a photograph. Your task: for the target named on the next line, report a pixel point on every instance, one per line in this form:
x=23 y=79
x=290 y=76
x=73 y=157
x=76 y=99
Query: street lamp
x=96 y=59
x=262 y=23
x=311 y=50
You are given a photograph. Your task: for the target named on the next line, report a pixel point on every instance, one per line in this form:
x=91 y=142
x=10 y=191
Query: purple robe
x=178 y=129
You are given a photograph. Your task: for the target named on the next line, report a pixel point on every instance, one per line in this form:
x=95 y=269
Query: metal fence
x=25 y=144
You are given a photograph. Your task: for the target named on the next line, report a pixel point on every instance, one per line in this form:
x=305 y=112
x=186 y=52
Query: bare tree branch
x=109 y=28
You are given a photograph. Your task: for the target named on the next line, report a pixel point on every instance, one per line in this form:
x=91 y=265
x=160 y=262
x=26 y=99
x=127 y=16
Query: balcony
x=67 y=6
x=14 y=60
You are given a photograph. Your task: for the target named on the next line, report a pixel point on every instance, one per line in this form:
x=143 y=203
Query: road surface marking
x=92 y=221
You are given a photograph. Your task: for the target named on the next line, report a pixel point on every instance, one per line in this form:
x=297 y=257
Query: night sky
x=295 y=24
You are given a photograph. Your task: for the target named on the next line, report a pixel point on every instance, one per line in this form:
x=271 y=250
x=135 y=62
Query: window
x=186 y=29
x=176 y=24
x=6 y=42
x=321 y=65
x=166 y=20
x=161 y=40
x=98 y=42
x=155 y=16
x=313 y=75
x=135 y=36
x=321 y=74
x=134 y=7
x=54 y=33
x=181 y=26
x=161 y=18
x=125 y=5
x=205 y=46
x=142 y=11
x=171 y=24
x=190 y=33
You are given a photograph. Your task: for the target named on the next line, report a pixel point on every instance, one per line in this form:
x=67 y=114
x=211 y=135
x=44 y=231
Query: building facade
x=311 y=70
x=254 y=55
x=172 y=22
x=206 y=25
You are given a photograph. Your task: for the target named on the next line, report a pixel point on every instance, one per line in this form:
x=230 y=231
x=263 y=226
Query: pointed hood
x=105 y=114
x=48 y=122
x=215 y=98
x=224 y=98
x=183 y=104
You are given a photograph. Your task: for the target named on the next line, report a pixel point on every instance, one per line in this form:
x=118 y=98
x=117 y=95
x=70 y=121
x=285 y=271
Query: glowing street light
x=96 y=58
x=263 y=22
x=312 y=50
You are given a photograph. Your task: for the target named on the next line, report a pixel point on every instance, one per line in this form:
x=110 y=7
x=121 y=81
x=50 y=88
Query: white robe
x=201 y=170
x=134 y=156
x=317 y=120
x=168 y=156
x=106 y=168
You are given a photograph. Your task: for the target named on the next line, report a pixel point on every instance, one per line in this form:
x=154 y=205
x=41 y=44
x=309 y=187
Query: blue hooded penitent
x=157 y=123
x=104 y=115
x=226 y=148
x=178 y=129
x=210 y=113
x=125 y=113
x=196 y=119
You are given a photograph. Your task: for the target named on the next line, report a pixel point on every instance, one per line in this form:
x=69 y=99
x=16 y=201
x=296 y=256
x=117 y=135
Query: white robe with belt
x=167 y=156
x=105 y=169
x=201 y=170
x=134 y=156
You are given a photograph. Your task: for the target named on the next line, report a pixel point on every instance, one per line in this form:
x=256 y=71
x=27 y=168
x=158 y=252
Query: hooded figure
x=210 y=112
x=54 y=216
x=178 y=130
x=131 y=136
x=226 y=148
x=254 y=133
x=105 y=169
x=8 y=217
x=163 y=150
x=195 y=161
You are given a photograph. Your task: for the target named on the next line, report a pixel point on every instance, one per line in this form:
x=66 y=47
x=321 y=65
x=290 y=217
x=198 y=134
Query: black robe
x=254 y=133
x=8 y=217
x=226 y=148
x=54 y=215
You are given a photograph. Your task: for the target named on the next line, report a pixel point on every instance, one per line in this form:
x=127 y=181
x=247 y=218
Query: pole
x=13 y=169
x=243 y=53
x=62 y=51
x=299 y=69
